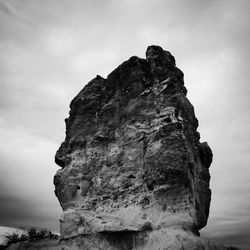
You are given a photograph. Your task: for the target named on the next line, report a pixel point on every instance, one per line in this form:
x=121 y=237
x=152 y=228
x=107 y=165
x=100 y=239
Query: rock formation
x=134 y=174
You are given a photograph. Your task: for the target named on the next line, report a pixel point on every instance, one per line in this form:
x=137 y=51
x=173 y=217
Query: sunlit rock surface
x=134 y=174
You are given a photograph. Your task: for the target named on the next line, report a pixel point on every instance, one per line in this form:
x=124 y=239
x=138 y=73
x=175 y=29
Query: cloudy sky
x=50 y=49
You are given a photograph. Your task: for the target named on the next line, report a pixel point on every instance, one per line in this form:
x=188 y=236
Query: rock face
x=134 y=174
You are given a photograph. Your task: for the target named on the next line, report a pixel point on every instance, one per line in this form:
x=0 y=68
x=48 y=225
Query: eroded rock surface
x=133 y=170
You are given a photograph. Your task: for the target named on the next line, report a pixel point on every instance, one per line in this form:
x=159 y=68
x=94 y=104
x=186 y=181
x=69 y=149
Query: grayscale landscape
x=51 y=50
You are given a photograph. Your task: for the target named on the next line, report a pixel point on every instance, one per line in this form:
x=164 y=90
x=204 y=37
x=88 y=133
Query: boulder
x=134 y=174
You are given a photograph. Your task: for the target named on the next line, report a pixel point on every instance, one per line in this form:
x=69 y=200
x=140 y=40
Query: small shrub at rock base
x=15 y=237
x=36 y=235
x=33 y=235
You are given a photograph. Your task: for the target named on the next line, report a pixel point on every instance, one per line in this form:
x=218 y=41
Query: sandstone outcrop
x=134 y=174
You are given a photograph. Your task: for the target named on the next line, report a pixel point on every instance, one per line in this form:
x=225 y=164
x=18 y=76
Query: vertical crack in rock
x=133 y=172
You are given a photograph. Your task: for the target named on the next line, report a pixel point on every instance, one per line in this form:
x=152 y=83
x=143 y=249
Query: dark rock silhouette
x=134 y=174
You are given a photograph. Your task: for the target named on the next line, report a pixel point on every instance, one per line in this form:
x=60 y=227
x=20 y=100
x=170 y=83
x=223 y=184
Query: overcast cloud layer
x=50 y=49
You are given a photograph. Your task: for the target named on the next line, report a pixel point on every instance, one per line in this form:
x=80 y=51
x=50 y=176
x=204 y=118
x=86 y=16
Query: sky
x=50 y=49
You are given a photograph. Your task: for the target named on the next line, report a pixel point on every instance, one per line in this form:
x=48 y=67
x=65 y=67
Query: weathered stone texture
x=131 y=163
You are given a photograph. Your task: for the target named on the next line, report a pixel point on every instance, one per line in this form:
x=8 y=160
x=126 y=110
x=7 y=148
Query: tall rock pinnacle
x=134 y=174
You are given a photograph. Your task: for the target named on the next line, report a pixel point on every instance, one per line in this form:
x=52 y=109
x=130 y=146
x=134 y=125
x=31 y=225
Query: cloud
x=26 y=192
